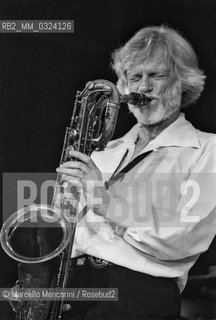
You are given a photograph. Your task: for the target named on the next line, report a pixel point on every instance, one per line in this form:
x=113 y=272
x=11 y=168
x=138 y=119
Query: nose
x=145 y=85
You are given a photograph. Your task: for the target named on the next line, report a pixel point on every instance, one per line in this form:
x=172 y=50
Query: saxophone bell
x=36 y=234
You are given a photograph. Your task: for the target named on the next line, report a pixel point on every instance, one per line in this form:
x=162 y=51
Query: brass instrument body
x=92 y=126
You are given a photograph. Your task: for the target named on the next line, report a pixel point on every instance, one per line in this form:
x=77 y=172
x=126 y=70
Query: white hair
x=178 y=51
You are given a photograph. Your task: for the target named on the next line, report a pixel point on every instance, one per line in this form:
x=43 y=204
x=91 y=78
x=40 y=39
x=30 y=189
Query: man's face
x=155 y=78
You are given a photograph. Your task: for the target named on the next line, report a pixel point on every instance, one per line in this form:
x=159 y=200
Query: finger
x=75 y=165
x=72 y=180
x=70 y=172
x=80 y=156
x=83 y=157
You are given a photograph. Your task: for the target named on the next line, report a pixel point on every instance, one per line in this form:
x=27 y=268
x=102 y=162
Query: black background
x=40 y=74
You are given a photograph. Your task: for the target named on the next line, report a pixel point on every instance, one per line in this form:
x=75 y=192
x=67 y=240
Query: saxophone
x=44 y=262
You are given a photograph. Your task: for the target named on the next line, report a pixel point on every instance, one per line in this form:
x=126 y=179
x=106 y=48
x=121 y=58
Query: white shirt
x=164 y=206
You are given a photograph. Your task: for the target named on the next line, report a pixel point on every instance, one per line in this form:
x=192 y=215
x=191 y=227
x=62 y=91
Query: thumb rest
x=27 y=235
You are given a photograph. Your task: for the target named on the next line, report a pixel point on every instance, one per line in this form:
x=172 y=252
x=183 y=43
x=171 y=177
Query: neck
x=149 y=132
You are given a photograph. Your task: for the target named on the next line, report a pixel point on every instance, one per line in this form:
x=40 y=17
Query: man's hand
x=83 y=173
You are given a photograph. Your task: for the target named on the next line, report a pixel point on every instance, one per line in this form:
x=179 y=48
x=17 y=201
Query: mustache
x=150 y=96
x=170 y=95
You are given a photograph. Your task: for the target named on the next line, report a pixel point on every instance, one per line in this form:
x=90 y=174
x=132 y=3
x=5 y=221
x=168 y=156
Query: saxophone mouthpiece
x=137 y=99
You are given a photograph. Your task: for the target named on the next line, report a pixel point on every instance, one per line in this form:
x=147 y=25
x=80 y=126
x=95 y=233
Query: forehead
x=157 y=61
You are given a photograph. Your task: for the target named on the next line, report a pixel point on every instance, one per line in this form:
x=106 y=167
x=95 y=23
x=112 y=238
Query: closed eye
x=135 y=78
x=158 y=75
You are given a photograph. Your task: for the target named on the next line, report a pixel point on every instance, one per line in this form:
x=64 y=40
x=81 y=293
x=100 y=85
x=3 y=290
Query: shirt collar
x=180 y=133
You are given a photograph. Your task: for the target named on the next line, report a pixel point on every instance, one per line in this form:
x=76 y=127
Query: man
x=154 y=220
